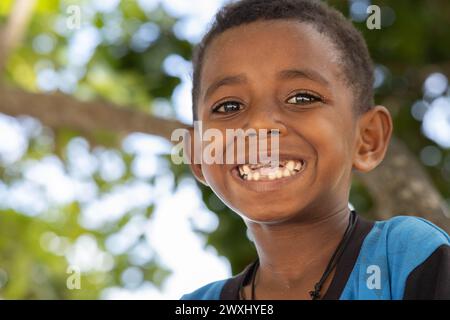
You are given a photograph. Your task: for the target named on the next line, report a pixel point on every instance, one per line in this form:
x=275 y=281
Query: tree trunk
x=12 y=33
x=400 y=186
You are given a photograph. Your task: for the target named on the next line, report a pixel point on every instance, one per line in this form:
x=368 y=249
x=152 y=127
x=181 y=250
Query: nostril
x=274 y=132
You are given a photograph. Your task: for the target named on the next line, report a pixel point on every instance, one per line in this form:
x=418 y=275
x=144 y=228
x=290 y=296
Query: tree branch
x=12 y=33
x=61 y=111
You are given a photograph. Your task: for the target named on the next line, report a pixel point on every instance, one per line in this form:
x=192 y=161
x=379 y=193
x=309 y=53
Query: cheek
x=330 y=139
x=210 y=172
x=214 y=176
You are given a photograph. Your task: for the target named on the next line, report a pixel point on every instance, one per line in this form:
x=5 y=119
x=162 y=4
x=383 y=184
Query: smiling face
x=281 y=75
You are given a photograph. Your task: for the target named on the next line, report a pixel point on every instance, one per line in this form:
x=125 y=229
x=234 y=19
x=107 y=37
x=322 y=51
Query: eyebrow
x=287 y=74
x=304 y=74
x=226 y=81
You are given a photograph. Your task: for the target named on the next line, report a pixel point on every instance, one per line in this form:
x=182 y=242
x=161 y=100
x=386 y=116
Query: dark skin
x=298 y=224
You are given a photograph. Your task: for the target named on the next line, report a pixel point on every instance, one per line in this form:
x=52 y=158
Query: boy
x=299 y=69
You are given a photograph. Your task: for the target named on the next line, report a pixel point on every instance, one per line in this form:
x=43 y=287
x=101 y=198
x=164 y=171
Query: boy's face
x=311 y=107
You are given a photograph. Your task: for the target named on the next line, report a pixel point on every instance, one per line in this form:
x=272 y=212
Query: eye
x=227 y=107
x=304 y=98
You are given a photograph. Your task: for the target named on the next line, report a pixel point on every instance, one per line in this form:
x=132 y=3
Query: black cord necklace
x=315 y=294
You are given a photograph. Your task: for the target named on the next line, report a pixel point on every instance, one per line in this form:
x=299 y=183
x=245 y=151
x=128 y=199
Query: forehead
x=263 y=48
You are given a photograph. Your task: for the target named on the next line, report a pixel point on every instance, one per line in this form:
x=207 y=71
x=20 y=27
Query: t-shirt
x=401 y=258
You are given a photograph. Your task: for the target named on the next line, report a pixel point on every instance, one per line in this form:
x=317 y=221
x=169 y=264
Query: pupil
x=230 y=107
x=304 y=99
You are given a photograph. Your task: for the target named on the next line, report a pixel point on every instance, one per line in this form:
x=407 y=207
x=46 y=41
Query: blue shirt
x=401 y=258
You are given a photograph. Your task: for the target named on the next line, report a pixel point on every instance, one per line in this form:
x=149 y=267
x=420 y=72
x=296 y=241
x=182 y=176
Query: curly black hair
x=355 y=59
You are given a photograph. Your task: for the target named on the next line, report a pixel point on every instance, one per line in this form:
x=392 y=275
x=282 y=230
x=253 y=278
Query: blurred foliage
x=405 y=48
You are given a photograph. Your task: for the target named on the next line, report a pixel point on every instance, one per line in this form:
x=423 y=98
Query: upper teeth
x=263 y=172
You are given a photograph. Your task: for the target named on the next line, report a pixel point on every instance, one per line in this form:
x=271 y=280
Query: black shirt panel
x=431 y=279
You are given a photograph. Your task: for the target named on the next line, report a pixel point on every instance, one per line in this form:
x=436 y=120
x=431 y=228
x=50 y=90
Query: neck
x=290 y=252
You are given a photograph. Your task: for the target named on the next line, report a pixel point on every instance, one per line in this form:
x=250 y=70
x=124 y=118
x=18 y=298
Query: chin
x=268 y=213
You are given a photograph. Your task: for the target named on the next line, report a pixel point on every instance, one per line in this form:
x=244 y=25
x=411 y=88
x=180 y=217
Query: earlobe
x=192 y=149
x=374 y=132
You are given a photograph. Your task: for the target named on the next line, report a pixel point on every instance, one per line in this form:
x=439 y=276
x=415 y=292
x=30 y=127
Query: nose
x=266 y=117
x=266 y=122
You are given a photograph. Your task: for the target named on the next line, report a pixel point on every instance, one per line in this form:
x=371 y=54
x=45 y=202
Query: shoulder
x=400 y=252
x=413 y=250
x=419 y=254
x=226 y=289
x=210 y=291
x=414 y=233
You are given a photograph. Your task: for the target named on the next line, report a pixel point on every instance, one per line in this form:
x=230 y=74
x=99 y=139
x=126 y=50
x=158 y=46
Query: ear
x=191 y=150
x=374 y=130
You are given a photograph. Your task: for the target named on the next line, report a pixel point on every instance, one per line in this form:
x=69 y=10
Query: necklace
x=315 y=294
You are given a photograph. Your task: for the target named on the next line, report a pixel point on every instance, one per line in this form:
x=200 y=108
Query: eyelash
x=306 y=95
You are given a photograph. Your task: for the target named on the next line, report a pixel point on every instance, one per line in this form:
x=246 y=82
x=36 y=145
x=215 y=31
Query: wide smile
x=263 y=172
x=263 y=177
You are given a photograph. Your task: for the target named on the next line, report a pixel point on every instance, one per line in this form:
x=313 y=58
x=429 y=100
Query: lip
x=270 y=185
